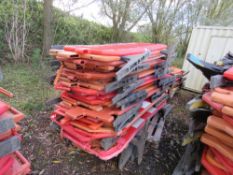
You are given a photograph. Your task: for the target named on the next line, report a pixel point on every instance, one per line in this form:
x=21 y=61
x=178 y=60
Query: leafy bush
x=75 y=30
x=67 y=29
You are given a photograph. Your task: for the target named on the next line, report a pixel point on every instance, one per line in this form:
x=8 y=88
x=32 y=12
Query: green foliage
x=75 y=30
x=35 y=32
x=9 y=10
x=67 y=29
x=35 y=58
x=140 y=37
x=1 y=43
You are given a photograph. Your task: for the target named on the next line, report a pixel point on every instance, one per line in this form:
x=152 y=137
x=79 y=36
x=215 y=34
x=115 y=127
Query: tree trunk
x=47 y=35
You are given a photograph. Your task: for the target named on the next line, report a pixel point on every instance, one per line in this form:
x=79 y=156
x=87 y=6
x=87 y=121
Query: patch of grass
x=29 y=86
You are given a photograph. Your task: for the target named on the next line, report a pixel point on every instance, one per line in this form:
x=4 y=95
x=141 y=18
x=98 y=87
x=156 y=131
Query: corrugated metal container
x=209 y=43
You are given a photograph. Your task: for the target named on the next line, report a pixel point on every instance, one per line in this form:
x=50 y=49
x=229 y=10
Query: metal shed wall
x=209 y=43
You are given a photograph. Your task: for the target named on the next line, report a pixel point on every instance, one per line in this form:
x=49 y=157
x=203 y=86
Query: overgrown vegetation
x=73 y=30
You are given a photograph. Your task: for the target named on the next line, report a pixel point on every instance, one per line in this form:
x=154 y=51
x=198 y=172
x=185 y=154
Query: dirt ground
x=49 y=155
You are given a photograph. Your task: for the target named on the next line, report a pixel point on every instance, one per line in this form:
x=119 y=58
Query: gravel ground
x=49 y=155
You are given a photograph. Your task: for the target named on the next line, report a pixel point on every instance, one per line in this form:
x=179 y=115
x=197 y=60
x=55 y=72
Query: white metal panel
x=209 y=43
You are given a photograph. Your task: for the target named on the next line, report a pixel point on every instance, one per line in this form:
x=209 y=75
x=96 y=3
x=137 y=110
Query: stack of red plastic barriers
x=12 y=162
x=109 y=92
x=217 y=157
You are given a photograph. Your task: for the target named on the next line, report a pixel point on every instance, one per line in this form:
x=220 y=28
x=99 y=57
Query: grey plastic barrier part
x=9 y=146
x=6 y=124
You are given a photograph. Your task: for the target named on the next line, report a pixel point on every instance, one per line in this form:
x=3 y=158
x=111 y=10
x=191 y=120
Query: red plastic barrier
x=3 y=107
x=83 y=95
x=225 y=161
x=14 y=164
x=209 y=167
x=6 y=92
x=229 y=74
x=116 y=49
x=228 y=119
x=85 y=91
x=85 y=136
x=92 y=100
x=13 y=113
x=97 y=63
x=79 y=134
x=6 y=163
x=207 y=98
x=121 y=143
